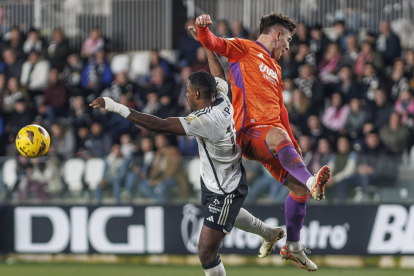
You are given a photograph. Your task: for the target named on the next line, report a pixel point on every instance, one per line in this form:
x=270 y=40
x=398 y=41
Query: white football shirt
x=214 y=130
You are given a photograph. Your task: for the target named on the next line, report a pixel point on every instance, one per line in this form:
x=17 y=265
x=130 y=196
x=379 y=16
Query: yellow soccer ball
x=33 y=141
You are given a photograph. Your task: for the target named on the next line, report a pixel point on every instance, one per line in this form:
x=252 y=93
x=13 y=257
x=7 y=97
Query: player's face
x=282 y=44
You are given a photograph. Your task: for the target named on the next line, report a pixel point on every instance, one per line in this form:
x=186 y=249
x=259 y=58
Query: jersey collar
x=257 y=42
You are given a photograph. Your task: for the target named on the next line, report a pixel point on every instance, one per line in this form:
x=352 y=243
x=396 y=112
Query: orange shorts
x=252 y=140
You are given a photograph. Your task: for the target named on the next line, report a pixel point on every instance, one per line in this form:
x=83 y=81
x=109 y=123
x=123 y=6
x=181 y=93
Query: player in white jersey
x=223 y=178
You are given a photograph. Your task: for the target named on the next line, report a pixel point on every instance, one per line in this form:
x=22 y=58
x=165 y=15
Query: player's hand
x=98 y=103
x=299 y=151
x=204 y=20
x=194 y=32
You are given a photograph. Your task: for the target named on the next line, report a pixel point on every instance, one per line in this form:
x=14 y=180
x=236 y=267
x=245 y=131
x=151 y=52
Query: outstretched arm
x=216 y=68
x=169 y=125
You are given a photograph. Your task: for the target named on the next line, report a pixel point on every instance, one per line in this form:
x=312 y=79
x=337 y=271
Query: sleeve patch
x=190 y=118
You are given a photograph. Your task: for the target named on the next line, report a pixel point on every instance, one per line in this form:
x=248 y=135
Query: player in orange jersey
x=261 y=119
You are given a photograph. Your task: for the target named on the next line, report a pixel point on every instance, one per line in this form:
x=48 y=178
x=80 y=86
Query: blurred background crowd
x=348 y=94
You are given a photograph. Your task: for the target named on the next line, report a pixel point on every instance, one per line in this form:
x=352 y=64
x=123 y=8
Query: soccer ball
x=33 y=141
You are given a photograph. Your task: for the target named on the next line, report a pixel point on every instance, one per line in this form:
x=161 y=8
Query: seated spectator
x=79 y=115
x=97 y=75
x=321 y=156
x=369 y=82
x=63 y=141
x=287 y=91
x=23 y=168
x=34 y=43
x=343 y=166
x=380 y=111
x=188 y=46
x=303 y=56
x=394 y=136
x=201 y=62
x=93 y=44
x=12 y=94
x=72 y=74
x=400 y=82
x=82 y=138
x=100 y=142
x=316 y=130
x=159 y=83
x=115 y=170
x=48 y=175
x=12 y=66
x=347 y=86
x=127 y=147
x=238 y=30
x=21 y=116
x=367 y=55
x=182 y=86
x=329 y=64
x=351 y=54
x=123 y=86
x=15 y=42
x=58 y=50
x=405 y=108
x=35 y=74
x=298 y=110
x=157 y=61
x=307 y=153
x=188 y=146
x=388 y=44
x=342 y=34
x=153 y=105
x=222 y=29
x=267 y=185
x=335 y=115
x=116 y=125
x=355 y=120
x=301 y=36
x=409 y=65
x=55 y=99
x=166 y=173
x=312 y=87
x=318 y=43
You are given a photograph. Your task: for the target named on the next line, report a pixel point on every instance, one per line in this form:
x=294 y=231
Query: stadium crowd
x=349 y=99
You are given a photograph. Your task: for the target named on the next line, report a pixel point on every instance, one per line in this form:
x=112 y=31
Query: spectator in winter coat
x=93 y=44
x=380 y=110
x=34 y=43
x=35 y=74
x=312 y=87
x=100 y=143
x=79 y=115
x=188 y=46
x=400 y=82
x=335 y=115
x=347 y=86
x=72 y=74
x=58 y=50
x=388 y=44
x=394 y=136
x=367 y=55
x=97 y=75
x=12 y=66
x=355 y=120
x=63 y=141
x=405 y=108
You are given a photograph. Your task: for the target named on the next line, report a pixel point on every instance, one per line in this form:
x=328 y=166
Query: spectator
x=58 y=50
x=336 y=114
x=21 y=116
x=367 y=55
x=188 y=146
x=63 y=141
x=35 y=74
x=298 y=109
x=347 y=86
x=23 y=168
x=188 y=46
x=388 y=44
x=97 y=75
x=355 y=120
x=394 y=136
x=159 y=83
x=13 y=66
x=182 y=87
x=311 y=86
x=301 y=36
x=409 y=66
x=400 y=82
x=79 y=115
x=222 y=29
x=307 y=153
x=157 y=61
x=329 y=64
x=93 y=44
x=343 y=166
x=153 y=105
x=115 y=124
x=369 y=82
x=115 y=171
x=48 y=175
x=15 y=43
x=287 y=91
x=341 y=34
x=321 y=156
x=166 y=173
x=12 y=94
x=351 y=53
x=316 y=130
x=201 y=63
x=405 y=108
x=238 y=30
x=127 y=147
x=380 y=110
x=82 y=138
x=319 y=42
x=303 y=56
x=34 y=43
x=100 y=143
x=56 y=98
x=72 y=74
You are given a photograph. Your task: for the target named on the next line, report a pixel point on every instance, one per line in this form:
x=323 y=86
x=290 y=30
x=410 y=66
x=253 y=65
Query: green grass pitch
x=24 y=269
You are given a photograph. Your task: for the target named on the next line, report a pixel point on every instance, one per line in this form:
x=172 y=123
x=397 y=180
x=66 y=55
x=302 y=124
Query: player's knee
x=206 y=253
x=274 y=137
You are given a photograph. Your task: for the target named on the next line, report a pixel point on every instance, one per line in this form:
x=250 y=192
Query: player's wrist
x=114 y=107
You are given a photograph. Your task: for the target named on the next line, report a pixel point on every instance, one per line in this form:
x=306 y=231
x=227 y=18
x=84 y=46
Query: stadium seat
x=94 y=172
x=140 y=64
x=194 y=173
x=9 y=172
x=120 y=63
x=72 y=174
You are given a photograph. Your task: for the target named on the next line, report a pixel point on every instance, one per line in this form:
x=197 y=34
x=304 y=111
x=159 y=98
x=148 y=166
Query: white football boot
x=268 y=246
x=316 y=184
x=299 y=258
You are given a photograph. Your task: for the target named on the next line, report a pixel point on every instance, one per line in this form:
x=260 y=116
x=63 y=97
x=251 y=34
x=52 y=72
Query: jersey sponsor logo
x=214 y=209
x=269 y=73
x=260 y=55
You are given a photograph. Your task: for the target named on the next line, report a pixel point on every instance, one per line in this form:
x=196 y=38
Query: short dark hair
x=204 y=82
x=267 y=21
